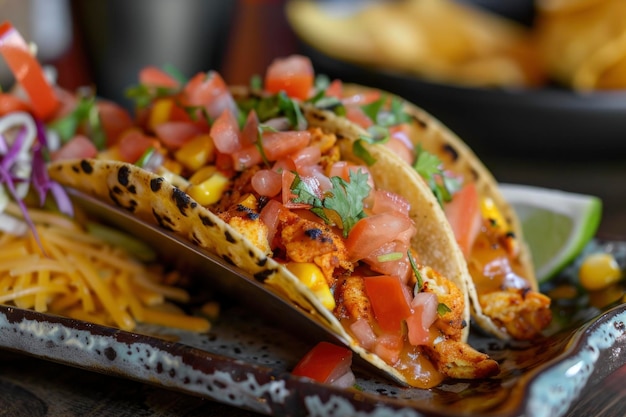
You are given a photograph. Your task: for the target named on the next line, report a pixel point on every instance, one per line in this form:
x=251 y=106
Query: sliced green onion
x=391 y=256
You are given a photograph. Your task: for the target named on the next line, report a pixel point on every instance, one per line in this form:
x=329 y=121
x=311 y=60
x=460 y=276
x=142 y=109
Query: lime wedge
x=556 y=224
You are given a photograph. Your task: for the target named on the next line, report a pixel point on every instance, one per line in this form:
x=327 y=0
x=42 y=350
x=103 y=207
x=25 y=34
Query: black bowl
x=549 y=121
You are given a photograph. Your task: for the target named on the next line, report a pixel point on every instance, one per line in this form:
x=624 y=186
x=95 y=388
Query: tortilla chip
x=436 y=39
x=584 y=47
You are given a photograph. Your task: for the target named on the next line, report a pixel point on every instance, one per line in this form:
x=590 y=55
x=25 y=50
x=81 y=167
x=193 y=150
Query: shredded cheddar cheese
x=77 y=275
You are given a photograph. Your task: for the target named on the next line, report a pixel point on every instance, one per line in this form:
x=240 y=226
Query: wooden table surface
x=32 y=387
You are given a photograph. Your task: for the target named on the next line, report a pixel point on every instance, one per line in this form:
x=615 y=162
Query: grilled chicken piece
x=523 y=313
x=461 y=361
x=309 y=241
x=244 y=217
x=453 y=357
x=351 y=300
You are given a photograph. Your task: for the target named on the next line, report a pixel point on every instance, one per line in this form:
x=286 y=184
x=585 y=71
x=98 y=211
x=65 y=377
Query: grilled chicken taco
x=275 y=188
x=503 y=289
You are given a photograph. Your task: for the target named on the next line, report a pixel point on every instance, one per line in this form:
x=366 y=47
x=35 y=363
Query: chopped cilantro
x=291 y=109
x=84 y=114
x=256 y=82
x=142 y=95
x=343 y=202
x=429 y=167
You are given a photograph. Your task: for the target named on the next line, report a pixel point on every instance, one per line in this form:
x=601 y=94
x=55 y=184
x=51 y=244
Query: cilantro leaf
x=344 y=199
x=84 y=114
x=430 y=167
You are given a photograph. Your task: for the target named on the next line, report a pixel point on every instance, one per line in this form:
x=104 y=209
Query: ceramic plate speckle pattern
x=245 y=361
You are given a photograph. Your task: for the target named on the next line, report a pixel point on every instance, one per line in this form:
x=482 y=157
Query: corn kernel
x=209 y=191
x=249 y=201
x=202 y=174
x=490 y=211
x=598 y=271
x=311 y=276
x=160 y=112
x=196 y=153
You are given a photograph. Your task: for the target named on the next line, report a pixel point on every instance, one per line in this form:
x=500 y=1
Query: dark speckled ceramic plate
x=245 y=361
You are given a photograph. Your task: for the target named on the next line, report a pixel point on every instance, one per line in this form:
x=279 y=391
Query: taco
x=503 y=289
x=282 y=196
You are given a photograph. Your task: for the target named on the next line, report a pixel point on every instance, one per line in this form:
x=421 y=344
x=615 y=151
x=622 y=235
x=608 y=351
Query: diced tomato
x=400 y=147
x=10 y=103
x=424 y=314
x=269 y=215
x=463 y=214
x=284 y=164
x=388 y=348
x=114 y=119
x=267 y=182
x=78 y=147
x=133 y=143
x=325 y=363
x=318 y=180
x=225 y=133
x=155 y=77
x=356 y=115
x=371 y=232
x=294 y=75
x=287 y=178
x=388 y=296
x=388 y=201
x=279 y=144
x=250 y=131
x=306 y=157
x=173 y=135
x=246 y=157
x=335 y=89
x=210 y=91
x=28 y=72
x=364 y=333
x=400 y=267
x=362 y=98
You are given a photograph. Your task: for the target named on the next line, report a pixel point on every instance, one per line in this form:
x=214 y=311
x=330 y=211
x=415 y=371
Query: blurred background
x=552 y=132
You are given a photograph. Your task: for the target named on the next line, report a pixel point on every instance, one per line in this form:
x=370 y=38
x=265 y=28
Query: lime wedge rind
x=584 y=212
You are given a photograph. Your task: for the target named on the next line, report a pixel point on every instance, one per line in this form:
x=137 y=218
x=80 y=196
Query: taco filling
x=288 y=187
x=507 y=300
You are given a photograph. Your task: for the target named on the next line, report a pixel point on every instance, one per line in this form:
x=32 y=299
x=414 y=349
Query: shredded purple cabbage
x=40 y=180
x=39 y=175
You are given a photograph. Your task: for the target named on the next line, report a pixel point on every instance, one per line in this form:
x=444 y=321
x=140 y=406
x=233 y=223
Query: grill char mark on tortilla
x=264 y=274
x=182 y=201
x=116 y=191
x=206 y=221
x=163 y=221
x=155 y=184
x=86 y=167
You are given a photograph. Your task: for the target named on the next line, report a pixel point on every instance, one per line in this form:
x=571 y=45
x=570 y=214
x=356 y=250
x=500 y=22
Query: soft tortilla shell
x=160 y=203
x=437 y=139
